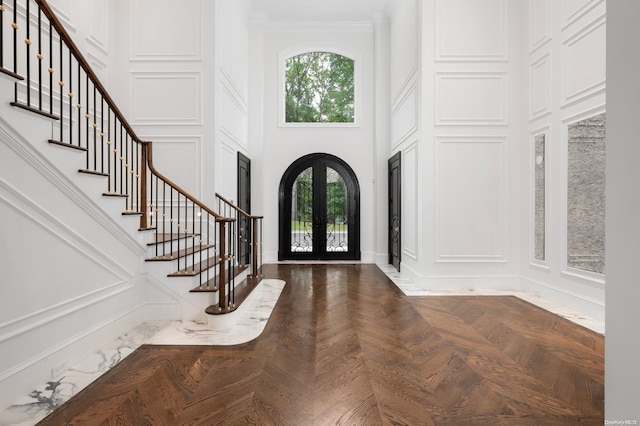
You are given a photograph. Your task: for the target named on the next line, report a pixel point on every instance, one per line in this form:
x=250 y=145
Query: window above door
x=318 y=88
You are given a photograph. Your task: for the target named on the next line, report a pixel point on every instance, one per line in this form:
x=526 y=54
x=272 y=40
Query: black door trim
x=319 y=160
x=244 y=202
x=395 y=210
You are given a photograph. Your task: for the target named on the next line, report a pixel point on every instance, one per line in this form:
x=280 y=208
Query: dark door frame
x=244 y=202
x=395 y=209
x=319 y=161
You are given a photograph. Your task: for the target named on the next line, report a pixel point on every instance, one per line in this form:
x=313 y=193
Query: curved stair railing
x=53 y=79
x=249 y=235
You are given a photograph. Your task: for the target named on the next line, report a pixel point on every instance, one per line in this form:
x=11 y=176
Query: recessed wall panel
x=166 y=30
x=584 y=62
x=471 y=200
x=179 y=157
x=471 y=30
x=404 y=45
x=98 y=31
x=166 y=98
x=540 y=23
x=471 y=99
x=540 y=95
x=405 y=117
x=573 y=10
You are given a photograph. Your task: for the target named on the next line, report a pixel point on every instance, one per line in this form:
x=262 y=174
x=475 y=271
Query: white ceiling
x=314 y=10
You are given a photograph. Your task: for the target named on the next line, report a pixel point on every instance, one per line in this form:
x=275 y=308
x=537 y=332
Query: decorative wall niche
x=586 y=194
x=539 y=203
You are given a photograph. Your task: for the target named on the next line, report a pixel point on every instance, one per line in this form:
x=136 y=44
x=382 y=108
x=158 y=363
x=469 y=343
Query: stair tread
x=34 y=110
x=197 y=268
x=242 y=292
x=213 y=284
x=114 y=194
x=67 y=145
x=181 y=253
x=93 y=172
x=165 y=238
x=10 y=73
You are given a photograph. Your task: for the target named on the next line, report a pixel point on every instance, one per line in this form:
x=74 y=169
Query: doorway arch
x=319 y=210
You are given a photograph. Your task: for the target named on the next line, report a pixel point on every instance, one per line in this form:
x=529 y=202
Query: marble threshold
x=252 y=317
x=410 y=288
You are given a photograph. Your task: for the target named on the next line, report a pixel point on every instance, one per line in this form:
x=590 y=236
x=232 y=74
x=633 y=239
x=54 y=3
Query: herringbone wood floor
x=344 y=347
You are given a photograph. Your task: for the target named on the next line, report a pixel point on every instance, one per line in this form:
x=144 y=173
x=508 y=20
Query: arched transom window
x=319 y=88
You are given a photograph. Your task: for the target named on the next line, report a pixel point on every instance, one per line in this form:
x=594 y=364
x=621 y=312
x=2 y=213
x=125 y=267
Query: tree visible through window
x=319 y=88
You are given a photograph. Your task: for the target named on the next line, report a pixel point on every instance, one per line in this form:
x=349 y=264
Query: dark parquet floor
x=345 y=347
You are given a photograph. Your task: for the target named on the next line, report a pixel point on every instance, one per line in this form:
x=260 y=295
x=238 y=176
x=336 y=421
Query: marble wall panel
x=586 y=194
x=539 y=224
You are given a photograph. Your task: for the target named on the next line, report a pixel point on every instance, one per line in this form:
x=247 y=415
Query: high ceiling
x=313 y=10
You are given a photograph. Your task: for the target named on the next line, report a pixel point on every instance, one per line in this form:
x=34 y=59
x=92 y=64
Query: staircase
x=192 y=250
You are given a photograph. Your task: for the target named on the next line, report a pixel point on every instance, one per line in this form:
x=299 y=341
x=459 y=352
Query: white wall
x=565 y=42
x=71 y=263
x=282 y=145
x=166 y=58
x=622 y=379
x=456 y=95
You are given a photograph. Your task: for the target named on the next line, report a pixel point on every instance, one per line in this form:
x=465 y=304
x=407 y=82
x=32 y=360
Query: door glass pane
x=302 y=212
x=337 y=212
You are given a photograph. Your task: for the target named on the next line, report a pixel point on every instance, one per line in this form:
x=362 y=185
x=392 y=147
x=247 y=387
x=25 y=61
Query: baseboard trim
x=585 y=305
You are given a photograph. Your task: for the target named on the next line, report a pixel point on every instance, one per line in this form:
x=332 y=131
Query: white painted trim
x=472 y=257
x=39 y=162
x=500 y=56
x=501 y=120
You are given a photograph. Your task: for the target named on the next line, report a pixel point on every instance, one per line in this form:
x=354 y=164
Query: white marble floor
x=410 y=288
x=248 y=322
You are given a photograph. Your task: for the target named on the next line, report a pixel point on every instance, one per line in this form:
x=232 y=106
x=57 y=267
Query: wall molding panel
x=234 y=92
x=539 y=24
x=41 y=164
x=471 y=98
x=573 y=10
x=410 y=206
x=471 y=209
x=540 y=87
x=461 y=36
x=152 y=92
x=160 y=38
x=174 y=150
x=583 y=66
x=98 y=66
x=98 y=32
x=404 y=123
x=407 y=85
x=115 y=276
x=545 y=130
x=64 y=11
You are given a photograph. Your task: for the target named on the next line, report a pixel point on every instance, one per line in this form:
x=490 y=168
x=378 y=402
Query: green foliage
x=319 y=88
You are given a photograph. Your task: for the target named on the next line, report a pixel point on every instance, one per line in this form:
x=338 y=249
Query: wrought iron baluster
x=27 y=42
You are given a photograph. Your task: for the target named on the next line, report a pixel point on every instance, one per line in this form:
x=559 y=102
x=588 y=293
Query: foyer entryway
x=319 y=216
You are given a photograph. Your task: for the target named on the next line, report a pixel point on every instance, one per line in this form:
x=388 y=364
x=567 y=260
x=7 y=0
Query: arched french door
x=319 y=210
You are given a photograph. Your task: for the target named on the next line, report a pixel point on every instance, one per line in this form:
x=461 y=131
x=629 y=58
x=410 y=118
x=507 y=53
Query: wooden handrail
x=62 y=32
x=238 y=209
x=149 y=155
x=73 y=48
x=132 y=159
